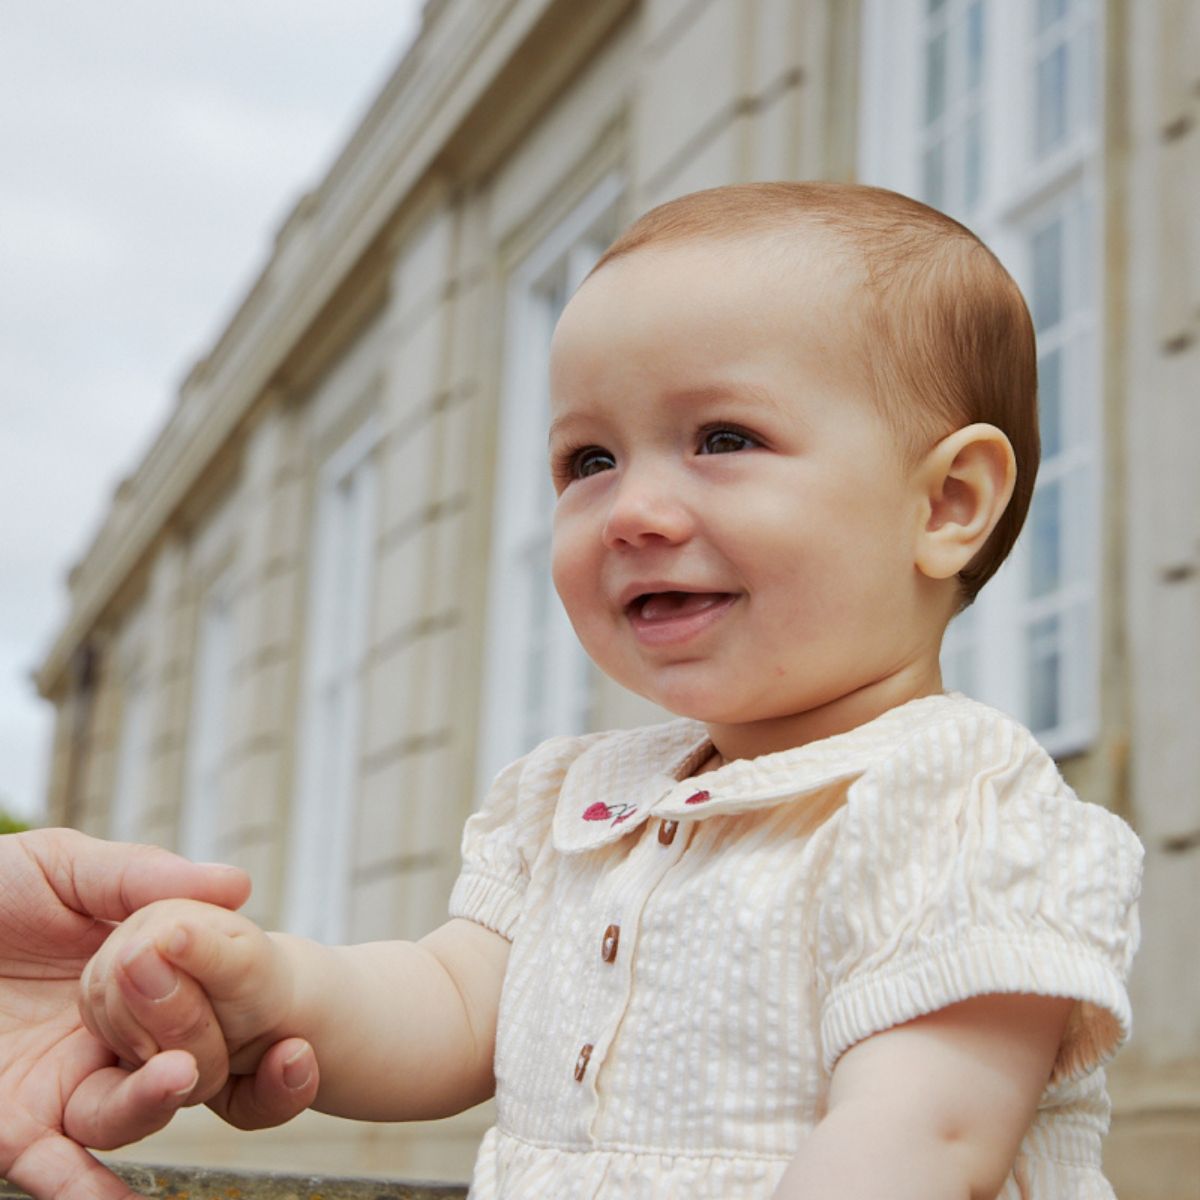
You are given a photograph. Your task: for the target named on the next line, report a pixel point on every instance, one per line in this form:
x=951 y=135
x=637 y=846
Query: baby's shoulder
x=966 y=771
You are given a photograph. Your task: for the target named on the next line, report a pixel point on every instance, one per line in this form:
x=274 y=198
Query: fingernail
x=297 y=1071
x=155 y=979
x=184 y=1092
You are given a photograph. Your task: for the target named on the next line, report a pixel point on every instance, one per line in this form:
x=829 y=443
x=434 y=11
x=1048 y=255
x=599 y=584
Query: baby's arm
x=934 y=1109
x=403 y=1031
x=400 y=1030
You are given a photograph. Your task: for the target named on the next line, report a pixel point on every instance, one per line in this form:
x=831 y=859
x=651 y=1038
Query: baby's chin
x=708 y=707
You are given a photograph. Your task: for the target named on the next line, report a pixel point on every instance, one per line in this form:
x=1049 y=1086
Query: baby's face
x=734 y=533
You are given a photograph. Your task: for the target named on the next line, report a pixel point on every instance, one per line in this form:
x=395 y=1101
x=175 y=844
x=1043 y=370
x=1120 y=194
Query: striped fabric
x=692 y=953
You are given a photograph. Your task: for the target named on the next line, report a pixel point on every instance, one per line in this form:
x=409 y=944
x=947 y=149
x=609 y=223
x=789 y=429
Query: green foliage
x=11 y=824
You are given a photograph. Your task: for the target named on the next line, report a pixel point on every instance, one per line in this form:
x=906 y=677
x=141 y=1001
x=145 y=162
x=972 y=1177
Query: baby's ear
x=968 y=480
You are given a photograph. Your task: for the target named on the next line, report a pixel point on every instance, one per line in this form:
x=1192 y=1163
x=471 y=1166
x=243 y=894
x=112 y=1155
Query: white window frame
x=208 y=729
x=526 y=623
x=320 y=861
x=1020 y=193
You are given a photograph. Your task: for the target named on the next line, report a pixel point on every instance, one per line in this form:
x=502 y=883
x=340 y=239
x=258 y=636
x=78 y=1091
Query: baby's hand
x=134 y=976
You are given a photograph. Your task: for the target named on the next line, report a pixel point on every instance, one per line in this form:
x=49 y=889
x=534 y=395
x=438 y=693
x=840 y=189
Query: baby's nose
x=646 y=507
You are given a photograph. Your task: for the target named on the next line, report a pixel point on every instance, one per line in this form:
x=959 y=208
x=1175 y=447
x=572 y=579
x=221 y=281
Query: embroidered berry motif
x=602 y=812
x=697 y=798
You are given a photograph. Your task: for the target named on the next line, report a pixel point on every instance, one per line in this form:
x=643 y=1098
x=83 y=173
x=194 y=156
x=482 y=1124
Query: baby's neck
x=756 y=738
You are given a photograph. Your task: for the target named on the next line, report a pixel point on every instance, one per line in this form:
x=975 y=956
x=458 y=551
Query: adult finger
x=161 y=1008
x=110 y=880
x=56 y=1168
x=283 y=1086
x=113 y=1107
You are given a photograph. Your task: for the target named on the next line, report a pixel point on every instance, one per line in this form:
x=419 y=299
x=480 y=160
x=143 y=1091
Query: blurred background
x=278 y=283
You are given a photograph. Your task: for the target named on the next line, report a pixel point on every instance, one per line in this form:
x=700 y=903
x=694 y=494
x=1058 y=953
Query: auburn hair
x=947 y=336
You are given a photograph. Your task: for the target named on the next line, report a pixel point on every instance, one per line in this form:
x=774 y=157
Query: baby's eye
x=725 y=441
x=591 y=460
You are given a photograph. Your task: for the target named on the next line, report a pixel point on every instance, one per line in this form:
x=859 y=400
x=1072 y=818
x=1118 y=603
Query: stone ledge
x=201 y=1183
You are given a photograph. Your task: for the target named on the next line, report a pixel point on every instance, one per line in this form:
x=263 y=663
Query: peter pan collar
x=620 y=782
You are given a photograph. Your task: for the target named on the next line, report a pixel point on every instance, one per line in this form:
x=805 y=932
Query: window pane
x=958 y=670
x=1045 y=548
x=537 y=570
x=935 y=77
x=1049 y=11
x=554 y=295
x=973 y=164
x=206 y=729
x=975 y=46
x=1047 y=276
x=1051 y=100
x=1043 y=672
x=1087 y=67
x=933 y=171
x=126 y=814
x=960 y=653
x=1050 y=370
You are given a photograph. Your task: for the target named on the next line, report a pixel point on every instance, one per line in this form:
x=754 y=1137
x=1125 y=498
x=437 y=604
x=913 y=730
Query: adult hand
x=60 y=1088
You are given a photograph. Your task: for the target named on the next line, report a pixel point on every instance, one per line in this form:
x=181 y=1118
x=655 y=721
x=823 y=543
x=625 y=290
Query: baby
x=835 y=932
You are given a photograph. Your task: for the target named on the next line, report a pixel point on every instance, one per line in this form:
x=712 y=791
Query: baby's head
x=794 y=430
x=941 y=326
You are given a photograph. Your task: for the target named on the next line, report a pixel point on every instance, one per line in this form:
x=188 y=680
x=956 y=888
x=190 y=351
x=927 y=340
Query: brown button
x=666 y=832
x=608 y=947
x=582 y=1061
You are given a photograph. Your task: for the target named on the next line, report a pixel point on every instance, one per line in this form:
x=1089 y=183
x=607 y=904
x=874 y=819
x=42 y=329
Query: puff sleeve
x=502 y=841
x=963 y=865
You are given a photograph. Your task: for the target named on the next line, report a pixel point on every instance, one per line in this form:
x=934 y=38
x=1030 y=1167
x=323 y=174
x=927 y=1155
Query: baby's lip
x=632 y=597
x=671 y=618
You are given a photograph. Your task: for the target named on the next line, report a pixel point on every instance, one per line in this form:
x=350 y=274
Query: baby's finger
x=283 y=1086
x=96 y=995
x=222 y=952
x=113 y=1107
x=159 y=1007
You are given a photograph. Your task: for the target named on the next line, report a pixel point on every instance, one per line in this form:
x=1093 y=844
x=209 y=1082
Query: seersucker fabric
x=691 y=954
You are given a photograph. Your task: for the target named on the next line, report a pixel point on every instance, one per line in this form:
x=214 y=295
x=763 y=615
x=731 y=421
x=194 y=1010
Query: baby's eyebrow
x=741 y=394
x=559 y=424
x=735 y=393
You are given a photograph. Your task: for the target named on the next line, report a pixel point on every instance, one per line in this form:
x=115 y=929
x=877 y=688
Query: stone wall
x=182 y=1183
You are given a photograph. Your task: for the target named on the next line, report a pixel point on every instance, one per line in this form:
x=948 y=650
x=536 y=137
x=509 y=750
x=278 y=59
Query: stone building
x=317 y=616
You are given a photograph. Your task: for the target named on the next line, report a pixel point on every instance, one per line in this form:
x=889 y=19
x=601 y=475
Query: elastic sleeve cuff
x=943 y=975
x=487 y=900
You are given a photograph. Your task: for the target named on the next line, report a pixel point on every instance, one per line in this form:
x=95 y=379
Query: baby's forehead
x=695 y=321
x=812 y=267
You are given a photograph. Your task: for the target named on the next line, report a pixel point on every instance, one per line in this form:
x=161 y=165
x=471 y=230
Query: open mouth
x=656 y=607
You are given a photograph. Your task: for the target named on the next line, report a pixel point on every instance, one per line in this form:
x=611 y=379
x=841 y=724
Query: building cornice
x=438 y=95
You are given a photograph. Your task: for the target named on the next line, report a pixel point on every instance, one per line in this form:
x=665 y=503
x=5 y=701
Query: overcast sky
x=148 y=153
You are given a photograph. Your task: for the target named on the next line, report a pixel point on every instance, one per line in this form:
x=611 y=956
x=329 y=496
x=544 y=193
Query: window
x=328 y=769
x=989 y=109
x=537 y=679
x=207 y=731
x=133 y=761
